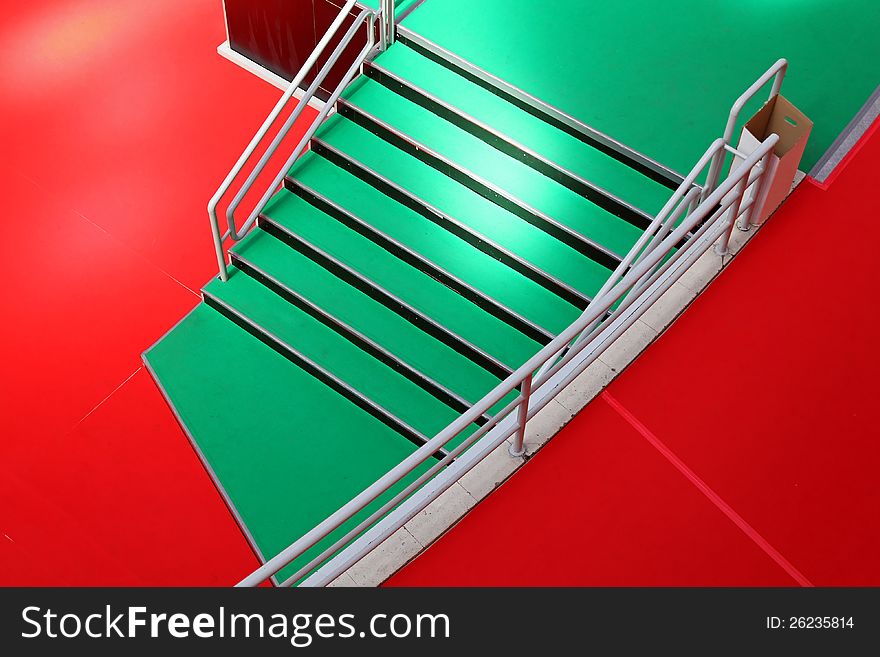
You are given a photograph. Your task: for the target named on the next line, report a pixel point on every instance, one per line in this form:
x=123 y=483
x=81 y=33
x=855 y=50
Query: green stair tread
x=415 y=287
x=364 y=314
x=287 y=450
x=527 y=241
x=323 y=346
x=468 y=263
x=543 y=138
x=652 y=75
x=507 y=173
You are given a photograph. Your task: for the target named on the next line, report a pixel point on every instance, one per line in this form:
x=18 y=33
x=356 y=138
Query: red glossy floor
x=739 y=449
x=119 y=120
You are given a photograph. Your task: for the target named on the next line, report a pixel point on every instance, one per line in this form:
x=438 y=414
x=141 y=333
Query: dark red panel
x=277 y=34
x=325 y=13
x=280 y=35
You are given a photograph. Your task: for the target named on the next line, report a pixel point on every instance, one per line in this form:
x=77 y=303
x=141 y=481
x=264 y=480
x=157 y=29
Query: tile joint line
x=113 y=392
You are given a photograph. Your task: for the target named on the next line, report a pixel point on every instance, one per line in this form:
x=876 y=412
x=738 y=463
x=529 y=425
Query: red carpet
x=119 y=120
x=740 y=449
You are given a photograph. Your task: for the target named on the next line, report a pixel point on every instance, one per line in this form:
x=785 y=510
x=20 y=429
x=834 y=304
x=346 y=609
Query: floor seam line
x=706 y=490
x=118 y=240
x=103 y=401
x=140 y=255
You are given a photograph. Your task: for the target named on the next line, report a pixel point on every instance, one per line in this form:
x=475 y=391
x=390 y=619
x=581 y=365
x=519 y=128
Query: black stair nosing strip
x=495 y=308
x=455 y=401
x=454 y=226
x=386 y=298
x=667 y=177
x=314 y=369
x=500 y=197
x=509 y=146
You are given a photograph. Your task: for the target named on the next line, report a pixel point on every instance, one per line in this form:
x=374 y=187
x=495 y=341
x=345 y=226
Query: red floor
x=740 y=449
x=119 y=121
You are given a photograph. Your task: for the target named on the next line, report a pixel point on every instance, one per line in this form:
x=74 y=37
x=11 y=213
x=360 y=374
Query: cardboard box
x=793 y=127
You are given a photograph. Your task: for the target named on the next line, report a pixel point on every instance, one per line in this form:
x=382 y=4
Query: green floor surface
x=287 y=450
x=661 y=76
x=332 y=352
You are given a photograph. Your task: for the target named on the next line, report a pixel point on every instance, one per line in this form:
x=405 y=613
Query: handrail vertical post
x=714 y=172
x=386 y=26
x=777 y=71
x=723 y=246
x=218 y=247
x=518 y=448
x=752 y=215
x=776 y=89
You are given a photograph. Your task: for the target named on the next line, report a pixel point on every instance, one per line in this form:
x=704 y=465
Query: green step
x=335 y=354
x=439 y=190
x=418 y=289
x=287 y=450
x=504 y=172
x=554 y=144
x=382 y=325
x=468 y=263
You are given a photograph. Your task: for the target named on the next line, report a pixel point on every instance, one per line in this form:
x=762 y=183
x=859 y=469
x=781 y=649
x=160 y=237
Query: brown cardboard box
x=781 y=117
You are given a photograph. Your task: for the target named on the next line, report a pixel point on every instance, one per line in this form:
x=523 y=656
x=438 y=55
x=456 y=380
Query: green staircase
x=432 y=240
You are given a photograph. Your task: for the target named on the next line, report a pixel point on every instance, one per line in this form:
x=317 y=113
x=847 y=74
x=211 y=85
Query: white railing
x=367 y=17
x=649 y=269
x=691 y=221
x=775 y=73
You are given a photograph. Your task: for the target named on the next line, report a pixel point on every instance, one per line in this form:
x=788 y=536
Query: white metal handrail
x=687 y=194
x=775 y=73
x=385 y=15
x=653 y=269
x=653 y=235
x=328 y=107
x=386 y=22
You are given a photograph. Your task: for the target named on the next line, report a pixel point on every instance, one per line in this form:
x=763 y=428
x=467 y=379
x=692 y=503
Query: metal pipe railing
x=387 y=23
x=646 y=242
x=517 y=448
x=400 y=497
x=232 y=231
x=441 y=484
x=777 y=74
x=282 y=133
x=682 y=200
x=325 y=111
x=698 y=244
x=714 y=208
x=650 y=278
